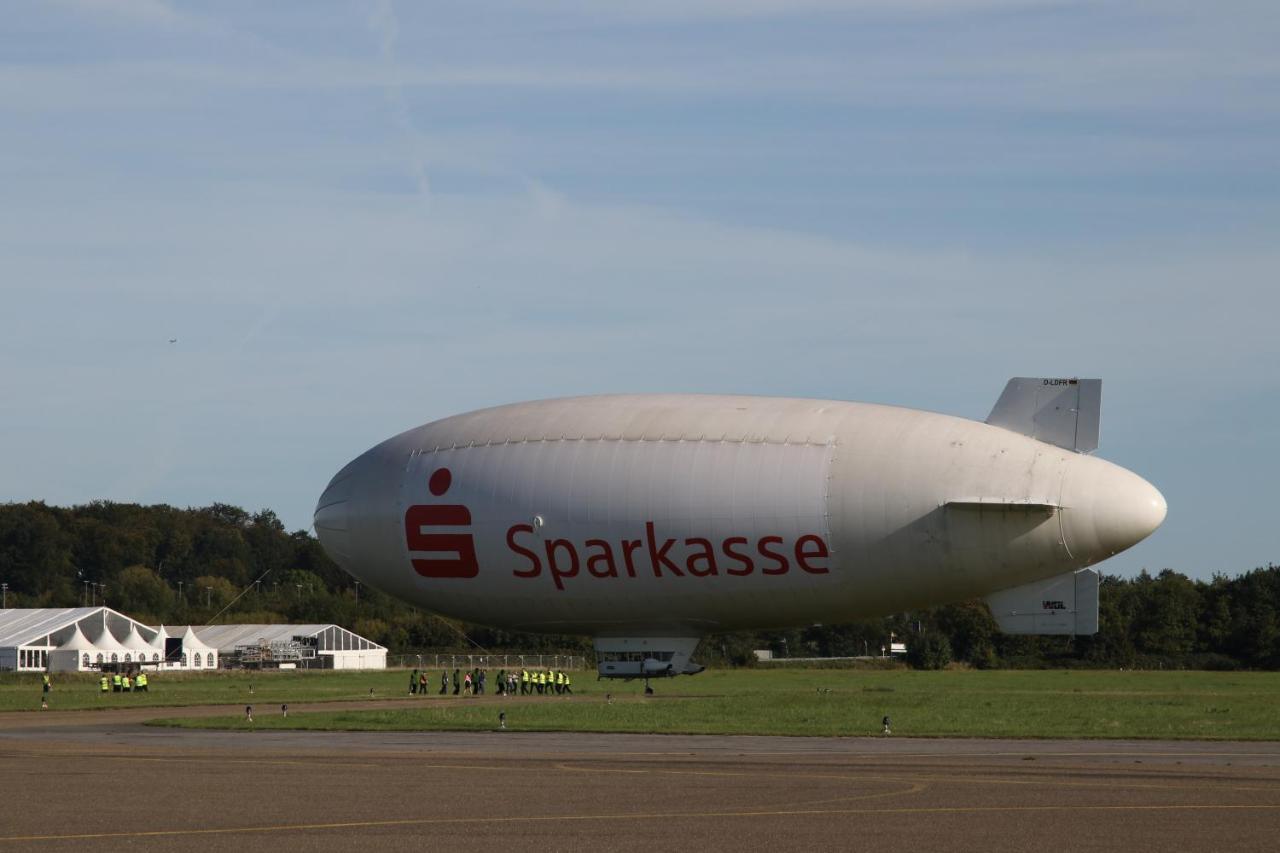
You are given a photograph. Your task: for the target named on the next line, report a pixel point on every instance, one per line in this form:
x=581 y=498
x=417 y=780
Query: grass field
x=1089 y=704
x=77 y=691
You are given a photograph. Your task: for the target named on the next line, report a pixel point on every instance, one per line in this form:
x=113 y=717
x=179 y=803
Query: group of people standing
x=123 y=683
x=542 y=682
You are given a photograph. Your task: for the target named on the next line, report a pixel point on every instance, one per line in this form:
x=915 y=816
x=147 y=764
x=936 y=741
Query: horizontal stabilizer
x=1002 y=505
x=1064 y=604
x=1064 y=412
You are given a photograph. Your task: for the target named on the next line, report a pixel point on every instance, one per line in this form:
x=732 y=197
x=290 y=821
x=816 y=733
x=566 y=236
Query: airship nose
x=1107 y=509
x=332 y=516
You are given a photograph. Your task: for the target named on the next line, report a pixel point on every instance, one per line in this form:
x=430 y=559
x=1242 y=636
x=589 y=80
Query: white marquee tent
x=85 y=638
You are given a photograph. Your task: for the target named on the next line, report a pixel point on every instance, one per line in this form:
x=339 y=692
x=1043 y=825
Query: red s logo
x=445 y=555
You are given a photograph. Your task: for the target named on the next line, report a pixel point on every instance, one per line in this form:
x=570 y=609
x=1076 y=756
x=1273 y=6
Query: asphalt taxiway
x=102 y=781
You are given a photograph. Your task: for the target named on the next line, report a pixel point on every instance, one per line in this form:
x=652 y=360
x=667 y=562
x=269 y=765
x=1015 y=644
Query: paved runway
x=100 y=781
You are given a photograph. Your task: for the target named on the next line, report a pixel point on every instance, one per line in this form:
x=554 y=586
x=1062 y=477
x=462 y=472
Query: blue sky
x=360 y=217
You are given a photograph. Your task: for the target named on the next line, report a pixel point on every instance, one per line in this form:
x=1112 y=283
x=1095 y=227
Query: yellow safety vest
x=103 y=681
x=142 y=681
x=524 y=676
x=116 y=680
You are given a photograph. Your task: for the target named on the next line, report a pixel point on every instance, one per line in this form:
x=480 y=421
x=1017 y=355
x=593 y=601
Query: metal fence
x=498 y=661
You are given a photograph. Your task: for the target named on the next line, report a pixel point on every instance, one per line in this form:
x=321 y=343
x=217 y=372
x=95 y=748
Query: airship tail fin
x=1064 y=412
x=1064 y=604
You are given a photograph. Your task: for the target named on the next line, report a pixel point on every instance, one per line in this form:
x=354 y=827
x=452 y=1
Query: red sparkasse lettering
x=629 y=547
x=557 y=574
x=524 y=552
x=658 y=555
x=748 y=565
x=819 y=552
x=778 y=558
x=453 y=555
x=708 y=557
x=605 y=556
x=566 y=558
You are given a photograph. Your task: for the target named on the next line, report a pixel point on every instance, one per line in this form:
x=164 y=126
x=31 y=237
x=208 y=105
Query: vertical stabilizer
x=1064 y=412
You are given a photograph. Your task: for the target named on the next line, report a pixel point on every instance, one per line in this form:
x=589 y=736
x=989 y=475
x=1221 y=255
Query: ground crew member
x=142 y=682
x=524 y=682
x=47 y=684
x=105 y=683
x=568 y=684
x=413 y=682
x=560 y=682
x=542 y=683
x=126 y=684
x=444 y=682
x=117 y=684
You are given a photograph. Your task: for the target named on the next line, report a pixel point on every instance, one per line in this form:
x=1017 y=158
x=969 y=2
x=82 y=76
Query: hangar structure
x=320 y=646
x=92 y=638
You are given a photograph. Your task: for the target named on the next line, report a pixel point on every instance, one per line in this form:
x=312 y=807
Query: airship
x=648 y=522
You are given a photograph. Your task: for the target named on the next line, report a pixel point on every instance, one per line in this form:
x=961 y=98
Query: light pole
x=184 y=601
x=357 y=592
x=208 y=596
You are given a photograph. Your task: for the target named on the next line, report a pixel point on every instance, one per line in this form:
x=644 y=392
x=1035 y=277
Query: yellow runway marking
x=665 y=816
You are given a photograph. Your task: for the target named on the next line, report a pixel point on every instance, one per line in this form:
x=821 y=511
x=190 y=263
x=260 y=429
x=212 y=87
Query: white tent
x=197 y=654
x=142 y=651
x=157 y=643
x=73 y=654
x=109 y=649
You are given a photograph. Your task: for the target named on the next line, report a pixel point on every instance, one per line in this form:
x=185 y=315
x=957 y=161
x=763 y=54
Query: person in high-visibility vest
x=524 y=682
x=126 y=684
x=559 y=681
x=542 y=683
x=105 y=683
x=568 y=684
x=117 y=683
x=142 y=682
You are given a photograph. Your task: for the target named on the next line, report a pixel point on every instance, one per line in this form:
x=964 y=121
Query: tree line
x=165 y=565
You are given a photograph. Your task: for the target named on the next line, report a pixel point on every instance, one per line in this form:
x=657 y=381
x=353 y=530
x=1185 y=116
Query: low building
x=321 y=646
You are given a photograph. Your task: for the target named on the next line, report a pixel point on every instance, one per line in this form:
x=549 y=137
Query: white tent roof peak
x=191 y=641
x=104 y=640
x=133 y=641
x=77 y=642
